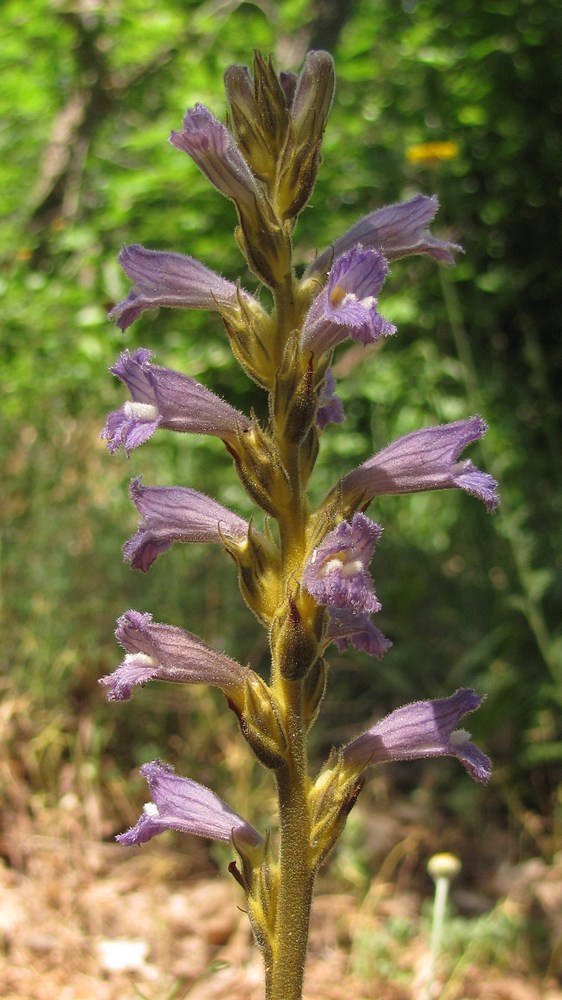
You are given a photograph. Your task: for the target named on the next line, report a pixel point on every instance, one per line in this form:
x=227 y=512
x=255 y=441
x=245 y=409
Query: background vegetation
x=88 y=94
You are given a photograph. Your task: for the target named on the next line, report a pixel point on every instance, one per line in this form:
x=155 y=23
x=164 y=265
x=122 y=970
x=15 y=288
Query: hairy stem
x=284 y=977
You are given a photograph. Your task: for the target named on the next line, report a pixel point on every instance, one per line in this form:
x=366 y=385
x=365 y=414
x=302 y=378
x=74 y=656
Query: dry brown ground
x=85 y=920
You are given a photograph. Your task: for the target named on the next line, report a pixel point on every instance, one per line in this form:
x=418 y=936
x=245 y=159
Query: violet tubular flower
x=398 y=230
x=347 y=307
x=162 y=397
x=185 y=805
x=336 y=574
x=162 y=278
x=177 y=514
x=422 y=729
x=166 y=653
x=424 y=460
x=213 y=149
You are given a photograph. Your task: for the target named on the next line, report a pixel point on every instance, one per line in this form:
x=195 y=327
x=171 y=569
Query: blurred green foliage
x=88 y=94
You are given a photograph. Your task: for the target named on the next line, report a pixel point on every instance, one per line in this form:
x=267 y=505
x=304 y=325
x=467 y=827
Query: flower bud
x=444 y=866
x=251 y=333
x=259 y=114
x=332 y=798
x=260 y=722
x=295 y=635
x=294 y=399
x=301 y=154
x=261 y=471
x=258 y=561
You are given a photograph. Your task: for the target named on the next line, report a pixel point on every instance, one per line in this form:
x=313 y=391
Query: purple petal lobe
x=423 y=729
x=330 y=406
x=163 y=652
x=162 y=278
x=348 y=629
x=425 y=460
x=185 y=805
x=336 y=574
x=176 y=514
x=347 y=307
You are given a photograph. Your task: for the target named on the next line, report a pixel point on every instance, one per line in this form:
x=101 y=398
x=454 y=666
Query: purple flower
x=185 y=805
x=422 y=729
x=215 y=152
x=330 y=406
x=396 y=230
x=348 y=629
x=166 y=653
x=176 y=514
x=165 y=398
x=170 y=279
x=347 y=307
x=336 y=573
x=424 y=460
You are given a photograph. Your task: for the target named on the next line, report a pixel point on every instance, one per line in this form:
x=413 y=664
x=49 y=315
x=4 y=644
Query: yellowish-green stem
x=284 y=977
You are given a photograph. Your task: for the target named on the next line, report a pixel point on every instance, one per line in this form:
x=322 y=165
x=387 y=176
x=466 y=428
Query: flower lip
x=330 y=407
x=336 y=574
x=347 y=628
x=347 y=307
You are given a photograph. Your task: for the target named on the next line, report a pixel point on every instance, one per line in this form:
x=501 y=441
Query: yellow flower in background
x=430 y=152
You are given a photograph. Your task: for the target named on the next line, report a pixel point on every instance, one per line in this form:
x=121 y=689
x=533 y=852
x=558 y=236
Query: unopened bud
x=295 y=636
x=260 y=722
x=251 y=333
x=258 y=561
x=259 y=114
x=261 y=471
x=294 y=400
x=332 y=798
x=301 y=154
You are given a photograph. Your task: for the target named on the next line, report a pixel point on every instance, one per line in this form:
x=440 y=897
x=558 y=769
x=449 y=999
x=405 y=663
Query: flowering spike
x=185 y=805
x=422 y=729
x=176 y=514
x=423 y=460
x=166 y=653
x=306 y=577
x=165 y=398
